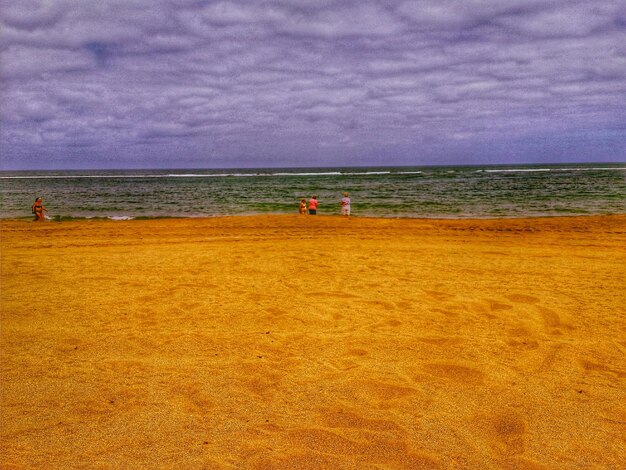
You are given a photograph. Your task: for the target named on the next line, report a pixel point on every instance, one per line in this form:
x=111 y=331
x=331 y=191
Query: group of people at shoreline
x=310 y=207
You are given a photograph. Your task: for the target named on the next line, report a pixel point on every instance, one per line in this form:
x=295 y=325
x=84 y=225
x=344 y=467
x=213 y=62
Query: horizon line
x=316 y=166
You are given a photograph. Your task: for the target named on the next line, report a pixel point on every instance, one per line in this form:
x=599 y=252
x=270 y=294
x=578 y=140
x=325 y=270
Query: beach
x=286 y=341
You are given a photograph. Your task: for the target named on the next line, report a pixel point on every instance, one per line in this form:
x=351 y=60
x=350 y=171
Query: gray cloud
x=131 y=83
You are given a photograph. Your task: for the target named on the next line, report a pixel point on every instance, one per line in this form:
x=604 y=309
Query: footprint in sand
x=189 y=307
x=457 y=373
x=496 y=306
x=404 y=305
x=596 y=367
x=380 y=391
x=440 y=340
x=381 y=303
x=373 y=449
x=385 y=324
x=504 y=432
x=255 y=297
x=550 y=318
x=70 y=344
x=347 y=419
x=258 y=380
x=510 y=430
x=446 y=312
x=521 y=338
x=438 y=295
x=276 y=312
x=356 y=352
x=522 y=299
x=194 y=399
x=307 y=459
x=335 y=295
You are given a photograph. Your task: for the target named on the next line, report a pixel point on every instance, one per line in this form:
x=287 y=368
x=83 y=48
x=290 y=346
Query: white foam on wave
x=288 y=174
x=531 y=170
x=519 y=170
x=120 y=217
x=326 y=173
x=191 y=175
x=181 y=175
x=47 y=177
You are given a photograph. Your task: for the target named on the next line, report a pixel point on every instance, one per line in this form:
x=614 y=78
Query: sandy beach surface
x=314 y=342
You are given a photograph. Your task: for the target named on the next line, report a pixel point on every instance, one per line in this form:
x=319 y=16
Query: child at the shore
x=313 y=205
x=345 y=205
x=303 y=206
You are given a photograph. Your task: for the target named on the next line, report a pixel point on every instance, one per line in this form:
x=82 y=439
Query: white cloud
x=363 y=19
x=565 y=20
x=354 y=74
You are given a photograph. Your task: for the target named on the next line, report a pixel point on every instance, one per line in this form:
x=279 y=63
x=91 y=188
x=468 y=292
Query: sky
x=303 y=83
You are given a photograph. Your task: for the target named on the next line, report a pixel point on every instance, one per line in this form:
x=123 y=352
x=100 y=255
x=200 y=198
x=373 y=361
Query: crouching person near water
x=38 y=209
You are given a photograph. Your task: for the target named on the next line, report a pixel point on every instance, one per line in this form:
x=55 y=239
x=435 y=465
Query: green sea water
x=430 y=192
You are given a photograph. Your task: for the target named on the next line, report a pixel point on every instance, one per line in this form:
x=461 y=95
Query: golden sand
x=314 y=342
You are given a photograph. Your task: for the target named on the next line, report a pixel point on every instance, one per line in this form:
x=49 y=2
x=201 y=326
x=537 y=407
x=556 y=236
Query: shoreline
x=298 y=342
x=410 y=192
x=58 y=219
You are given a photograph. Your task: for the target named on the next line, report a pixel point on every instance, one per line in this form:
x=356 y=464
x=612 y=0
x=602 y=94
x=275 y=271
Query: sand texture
x=314 y=342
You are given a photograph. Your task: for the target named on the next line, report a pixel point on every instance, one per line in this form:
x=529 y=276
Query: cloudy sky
x=200 y=84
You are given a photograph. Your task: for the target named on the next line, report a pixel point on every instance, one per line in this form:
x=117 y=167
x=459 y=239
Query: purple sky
x=193 y=84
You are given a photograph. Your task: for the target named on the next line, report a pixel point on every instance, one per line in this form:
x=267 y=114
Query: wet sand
x=314 y=342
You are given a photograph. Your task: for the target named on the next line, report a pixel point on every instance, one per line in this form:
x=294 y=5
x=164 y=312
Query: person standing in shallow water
x=345 y=205
x=303 y=206
x=38 y=209
x=313 y=205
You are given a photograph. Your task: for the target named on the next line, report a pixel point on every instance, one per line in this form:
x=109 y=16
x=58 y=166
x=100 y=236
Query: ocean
x=489 y=191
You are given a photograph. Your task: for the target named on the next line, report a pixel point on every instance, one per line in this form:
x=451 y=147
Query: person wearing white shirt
x=345 y=205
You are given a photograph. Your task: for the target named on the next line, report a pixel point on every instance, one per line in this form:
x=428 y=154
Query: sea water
x=430 y=192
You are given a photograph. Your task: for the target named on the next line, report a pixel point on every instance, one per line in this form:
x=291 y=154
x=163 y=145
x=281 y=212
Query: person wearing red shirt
x=313 y=205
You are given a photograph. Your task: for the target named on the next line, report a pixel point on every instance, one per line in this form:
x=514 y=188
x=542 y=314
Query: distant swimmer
x=345 y=205
x=313 y=205
x=38 y=209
